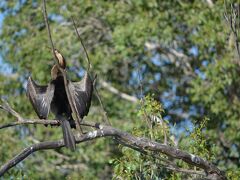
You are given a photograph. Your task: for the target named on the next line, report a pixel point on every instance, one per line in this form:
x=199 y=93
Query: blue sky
x=1 y=61
x=4 y=68
x=1 y=19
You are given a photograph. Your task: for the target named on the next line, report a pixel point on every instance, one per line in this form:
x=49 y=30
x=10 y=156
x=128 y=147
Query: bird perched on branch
x=54 y=97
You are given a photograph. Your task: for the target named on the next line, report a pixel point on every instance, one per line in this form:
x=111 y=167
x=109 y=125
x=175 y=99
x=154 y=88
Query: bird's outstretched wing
x=40 y=97
x=81 y=93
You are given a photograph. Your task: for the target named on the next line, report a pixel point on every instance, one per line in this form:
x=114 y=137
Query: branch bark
x=53 y=122
x=138 y=142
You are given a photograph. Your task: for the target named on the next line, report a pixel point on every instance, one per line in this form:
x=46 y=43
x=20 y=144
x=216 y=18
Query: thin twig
x=48 y=27
x=85 y=50
x=39 y=121
x=185 y=171
x=22 y=120
x=89 y=66
x=101 y=104
x=142 y=102
x=167 y=163
x=8 y=108
x=31 y=121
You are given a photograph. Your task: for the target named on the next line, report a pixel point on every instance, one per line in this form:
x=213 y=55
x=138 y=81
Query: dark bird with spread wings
x=53 y=97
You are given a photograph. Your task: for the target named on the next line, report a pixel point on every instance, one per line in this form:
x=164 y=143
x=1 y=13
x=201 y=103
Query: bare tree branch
x=7 y=108
x=210 y=3
x=38 y=121
x=186 y=171
x=55 y=153
x=85 y=50
x=101 y=104
x=89 y=66
x=138 y=142
x=21 y=121
x=30 y=121
x=113 y=90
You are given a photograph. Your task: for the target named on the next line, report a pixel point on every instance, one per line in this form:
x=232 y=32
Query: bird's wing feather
x=82 y=94
x=40 y=97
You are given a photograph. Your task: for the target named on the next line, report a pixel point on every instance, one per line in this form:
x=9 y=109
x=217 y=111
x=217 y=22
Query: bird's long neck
x=60 y=58
x=55 y=72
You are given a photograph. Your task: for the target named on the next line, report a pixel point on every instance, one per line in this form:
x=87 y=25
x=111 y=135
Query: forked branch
x=140 y=144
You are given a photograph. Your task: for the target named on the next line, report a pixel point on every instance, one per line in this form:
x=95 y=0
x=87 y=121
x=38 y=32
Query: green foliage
x=134 y=164
x=152 y=111
x=199 y=144
x=150 y=106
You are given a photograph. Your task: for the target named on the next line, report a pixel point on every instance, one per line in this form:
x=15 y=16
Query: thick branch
x=138 y=142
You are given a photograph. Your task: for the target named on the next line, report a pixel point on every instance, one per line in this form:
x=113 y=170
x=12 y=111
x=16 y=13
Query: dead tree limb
x=141 y=144
x=30 y=121
x=23 y=121
x=53 y=122
x=138 y=142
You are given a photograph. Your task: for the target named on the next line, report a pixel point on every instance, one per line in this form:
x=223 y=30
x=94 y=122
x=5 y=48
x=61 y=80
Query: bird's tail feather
x=68 y=136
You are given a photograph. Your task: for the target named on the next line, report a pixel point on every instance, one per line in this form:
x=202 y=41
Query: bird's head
x=60 y=58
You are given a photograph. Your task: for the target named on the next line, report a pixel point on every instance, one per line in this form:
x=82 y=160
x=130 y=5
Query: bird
x=53 y=97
